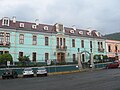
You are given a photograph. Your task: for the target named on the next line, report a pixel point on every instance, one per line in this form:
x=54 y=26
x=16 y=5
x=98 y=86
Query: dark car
x=9 y=73
x=113 y=65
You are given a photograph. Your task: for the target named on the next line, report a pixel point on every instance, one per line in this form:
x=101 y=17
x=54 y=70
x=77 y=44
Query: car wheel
x=46 y=74
x=3 y=77
x=13 y=76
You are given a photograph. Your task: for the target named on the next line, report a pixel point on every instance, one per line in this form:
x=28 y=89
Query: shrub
x=6 y=57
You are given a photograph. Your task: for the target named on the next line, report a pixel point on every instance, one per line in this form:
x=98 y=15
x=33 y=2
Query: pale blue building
x=48 y=42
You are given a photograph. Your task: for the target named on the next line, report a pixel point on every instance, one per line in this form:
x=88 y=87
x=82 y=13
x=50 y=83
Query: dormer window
x=5 y=21
x=60 y=28
x=72 y=31
x=34 y=26
x=80 y=32
x=22 y=25
x=45 y=27
x=88 y=33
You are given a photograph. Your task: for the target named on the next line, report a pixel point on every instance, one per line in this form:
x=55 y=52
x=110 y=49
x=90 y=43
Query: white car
x=41 y=71
x=28 y=72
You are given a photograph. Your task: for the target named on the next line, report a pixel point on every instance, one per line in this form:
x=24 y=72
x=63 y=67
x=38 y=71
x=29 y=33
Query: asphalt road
x=108 y=79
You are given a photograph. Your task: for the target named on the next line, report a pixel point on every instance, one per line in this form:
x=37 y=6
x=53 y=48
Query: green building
x=48 y=42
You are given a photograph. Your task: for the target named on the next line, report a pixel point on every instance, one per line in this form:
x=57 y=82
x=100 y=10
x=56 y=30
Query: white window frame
x=5 y=21
x=22 y=25
x=34 y=26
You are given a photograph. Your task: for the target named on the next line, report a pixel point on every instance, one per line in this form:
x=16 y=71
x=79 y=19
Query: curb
x=66 y=72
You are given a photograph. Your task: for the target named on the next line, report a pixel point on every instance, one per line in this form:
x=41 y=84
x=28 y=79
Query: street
x=107 y=79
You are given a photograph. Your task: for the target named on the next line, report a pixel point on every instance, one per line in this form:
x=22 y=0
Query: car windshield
x=41 y=68
x=28 y=69
x=115 y=62
x=8 y=70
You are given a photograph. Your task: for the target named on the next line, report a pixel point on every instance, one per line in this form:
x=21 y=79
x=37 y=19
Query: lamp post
x=79 y=59
x=91 y=59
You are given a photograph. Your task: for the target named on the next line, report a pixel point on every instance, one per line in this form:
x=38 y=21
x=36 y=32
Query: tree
x=6 y=57
x=24 y=60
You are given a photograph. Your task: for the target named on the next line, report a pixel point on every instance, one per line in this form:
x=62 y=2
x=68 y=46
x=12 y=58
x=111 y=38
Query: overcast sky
x=102 y=15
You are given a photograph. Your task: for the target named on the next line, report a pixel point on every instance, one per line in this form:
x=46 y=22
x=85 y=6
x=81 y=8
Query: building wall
x=28 y=48
x=113 y=52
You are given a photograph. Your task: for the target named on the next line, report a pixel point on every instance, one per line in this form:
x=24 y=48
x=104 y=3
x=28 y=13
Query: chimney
x=73 y=27
x=14 y=19
x=37 y=21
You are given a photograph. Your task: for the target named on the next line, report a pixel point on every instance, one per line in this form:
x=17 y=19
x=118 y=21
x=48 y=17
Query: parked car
x=9 y=73
x=113 y=65
x=41 y=71
x=28 y=72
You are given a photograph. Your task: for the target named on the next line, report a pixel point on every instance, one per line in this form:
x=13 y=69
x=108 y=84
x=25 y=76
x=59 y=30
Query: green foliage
x=96 y=57
x=24 y=61
x=105 y=57
x=6 y=57
x=114 y=36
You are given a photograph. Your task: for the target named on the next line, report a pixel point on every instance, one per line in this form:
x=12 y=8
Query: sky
x=101 y=15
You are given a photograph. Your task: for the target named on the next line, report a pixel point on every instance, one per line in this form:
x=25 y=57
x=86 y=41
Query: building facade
x=48 y=42
x=113 y=49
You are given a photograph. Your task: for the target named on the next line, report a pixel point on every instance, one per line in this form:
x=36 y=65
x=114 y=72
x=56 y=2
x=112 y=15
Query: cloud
x=102 y=15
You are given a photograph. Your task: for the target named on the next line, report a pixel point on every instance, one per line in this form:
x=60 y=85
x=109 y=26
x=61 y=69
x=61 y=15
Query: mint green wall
x=27 y=48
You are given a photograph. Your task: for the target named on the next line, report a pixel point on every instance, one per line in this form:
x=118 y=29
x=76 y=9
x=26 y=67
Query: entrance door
x=61 y=57
x=83 y=58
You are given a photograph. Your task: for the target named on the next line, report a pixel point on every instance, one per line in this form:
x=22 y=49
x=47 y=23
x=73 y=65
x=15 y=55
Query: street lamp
x=91 y=59
x=79 y=59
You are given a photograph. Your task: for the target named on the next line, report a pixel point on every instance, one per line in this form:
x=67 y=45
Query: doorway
x=61 y=57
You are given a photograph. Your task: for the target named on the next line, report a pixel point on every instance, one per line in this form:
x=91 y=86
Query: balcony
x=61 y=48
x=4 y=44
x=100 y=49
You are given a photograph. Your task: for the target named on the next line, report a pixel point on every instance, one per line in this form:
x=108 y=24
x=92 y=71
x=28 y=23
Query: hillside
x=113 y=36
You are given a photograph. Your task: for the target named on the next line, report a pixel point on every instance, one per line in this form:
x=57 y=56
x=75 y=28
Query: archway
x=85 y=55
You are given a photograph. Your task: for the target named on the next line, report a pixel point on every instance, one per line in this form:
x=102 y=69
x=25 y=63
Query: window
x=34 y=26
x=46 y=41
x=60 y=41
x=116 y=48
x=20 y=54
x=61 y=27
x=64 y=42
x=109 y=48
x=73 y=42
x=45 y=27
x=21 y=39
x=91 y=46
x=82 y=43
x=7 y=38
x=1 y=37
x=57 y=41
x=46 y=56
x=34 y=56
x=5 y=21
x=1 y=52
x=21 y=25
x=100 y=45
x=6 y=51
x=34 y=40
x=4 y=37
x=83 y=58
x=74 y=57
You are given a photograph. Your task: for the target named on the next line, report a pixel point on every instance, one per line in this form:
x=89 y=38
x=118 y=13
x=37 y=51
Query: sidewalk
x=75 y=71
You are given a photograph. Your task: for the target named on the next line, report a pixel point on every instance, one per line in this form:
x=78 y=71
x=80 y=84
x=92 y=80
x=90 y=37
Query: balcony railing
x=61 y=48
x=4 y=44
x=100 y=49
